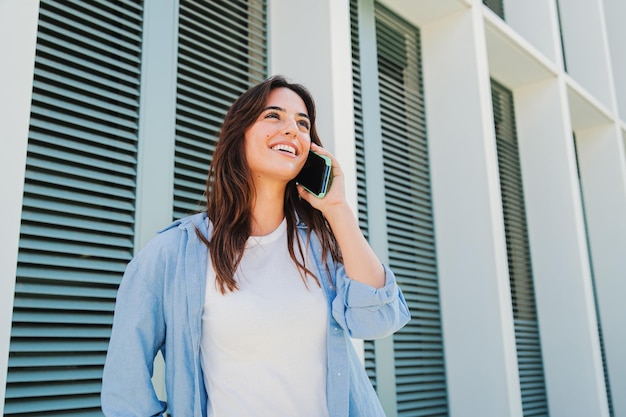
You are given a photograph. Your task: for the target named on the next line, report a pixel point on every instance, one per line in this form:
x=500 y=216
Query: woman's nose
x=290 y=128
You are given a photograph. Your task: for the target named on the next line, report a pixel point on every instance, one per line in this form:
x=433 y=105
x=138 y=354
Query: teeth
x=285 y=148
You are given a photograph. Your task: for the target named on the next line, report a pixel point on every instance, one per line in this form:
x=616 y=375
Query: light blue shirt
x=159 y=307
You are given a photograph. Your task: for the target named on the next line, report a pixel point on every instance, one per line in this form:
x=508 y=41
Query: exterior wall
x=478 y=329
x=18 y=33
x=464 y=45
x=328 y=76
x=614 y=12
x=157 y=139
x=577 y=238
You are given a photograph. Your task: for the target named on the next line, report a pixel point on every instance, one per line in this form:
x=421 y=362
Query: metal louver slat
x=77 y=226
x=528 y=343
x=120 y=140
x=46 y=189
x=420 y=371
x=64 y=142
x=229 y=17
x=221 y=53
x=117 y=17
x=83 y=103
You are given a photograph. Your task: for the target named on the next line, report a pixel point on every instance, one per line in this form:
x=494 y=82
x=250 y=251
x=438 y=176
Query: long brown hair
x=230 y=191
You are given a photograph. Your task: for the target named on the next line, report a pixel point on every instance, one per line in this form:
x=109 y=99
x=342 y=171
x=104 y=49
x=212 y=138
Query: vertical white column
x=157 y=125
x=586 y=49
x=18 y=40
x=558 y=246
x=537 y=22
x=477 y=315
x=157 y=120
x=614 y=15
x=602 y=166
x=316 y=51
x=309 y=43
x=374 y=178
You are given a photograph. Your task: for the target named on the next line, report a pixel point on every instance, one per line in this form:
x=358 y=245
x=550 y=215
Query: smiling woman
x=253 y=303
x=277 y=145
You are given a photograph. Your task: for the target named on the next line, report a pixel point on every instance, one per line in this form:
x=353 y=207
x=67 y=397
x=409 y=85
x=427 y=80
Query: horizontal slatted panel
x=419 y=357
x=370 y=357
x=532 y=382
x=78 y=210
x=221 y=53
x=358 y=117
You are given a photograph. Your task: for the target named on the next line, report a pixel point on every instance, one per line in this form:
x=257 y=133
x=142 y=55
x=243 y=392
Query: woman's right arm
x=138 y=334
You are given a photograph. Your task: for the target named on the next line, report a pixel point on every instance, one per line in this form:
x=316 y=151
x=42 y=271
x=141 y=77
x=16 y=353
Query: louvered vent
x=221 y=53
x=419 y=359
x=370 y=359
x=358 y=116
x=78 y=213
x=532 y=382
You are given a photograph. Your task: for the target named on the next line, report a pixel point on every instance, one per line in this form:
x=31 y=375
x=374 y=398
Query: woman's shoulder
x=156 y=263
x=198 y=220
x=169 y=239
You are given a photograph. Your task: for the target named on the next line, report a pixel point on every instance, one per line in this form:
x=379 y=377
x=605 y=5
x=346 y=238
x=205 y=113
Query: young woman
x=253 y=302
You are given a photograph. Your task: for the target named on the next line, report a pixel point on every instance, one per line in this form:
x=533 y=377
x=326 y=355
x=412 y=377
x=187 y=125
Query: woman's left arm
x=360 y=261
x=369 y=304
x=365 y=312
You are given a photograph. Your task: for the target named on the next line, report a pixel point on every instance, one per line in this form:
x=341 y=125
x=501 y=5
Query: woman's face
x=278 y=142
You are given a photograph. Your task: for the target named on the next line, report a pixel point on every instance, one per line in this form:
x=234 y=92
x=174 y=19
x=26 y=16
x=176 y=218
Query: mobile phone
x=315 y=176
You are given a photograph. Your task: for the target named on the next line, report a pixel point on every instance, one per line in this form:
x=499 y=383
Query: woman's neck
x=267 y=211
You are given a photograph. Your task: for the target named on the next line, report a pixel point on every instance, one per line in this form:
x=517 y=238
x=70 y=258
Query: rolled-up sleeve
x=366 y=312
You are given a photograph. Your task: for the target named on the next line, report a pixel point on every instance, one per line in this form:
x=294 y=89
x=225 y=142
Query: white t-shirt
x=263 y=348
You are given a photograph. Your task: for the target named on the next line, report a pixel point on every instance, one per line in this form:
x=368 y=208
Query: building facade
x=484 y=151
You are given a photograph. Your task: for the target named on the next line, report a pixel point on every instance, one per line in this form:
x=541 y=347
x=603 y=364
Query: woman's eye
x=272 y=115
x=305 y=124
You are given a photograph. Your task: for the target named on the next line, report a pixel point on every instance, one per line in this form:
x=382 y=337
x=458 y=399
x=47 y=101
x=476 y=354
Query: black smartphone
x=315 y=176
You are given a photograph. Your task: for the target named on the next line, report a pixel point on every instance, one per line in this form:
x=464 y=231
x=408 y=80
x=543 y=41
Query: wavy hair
x=230 y=191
